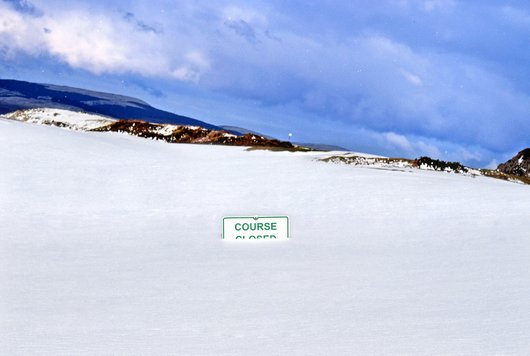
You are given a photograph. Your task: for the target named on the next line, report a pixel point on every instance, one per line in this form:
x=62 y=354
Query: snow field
x=110 y=244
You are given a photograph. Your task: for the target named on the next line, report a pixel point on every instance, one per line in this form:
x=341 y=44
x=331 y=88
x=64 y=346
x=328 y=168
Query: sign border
x=255 y=217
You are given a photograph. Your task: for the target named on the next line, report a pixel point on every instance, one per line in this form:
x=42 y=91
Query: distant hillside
x=20 y=95
x=314 y=146
x=165 y=132
x=322 y=146
x=243 y=131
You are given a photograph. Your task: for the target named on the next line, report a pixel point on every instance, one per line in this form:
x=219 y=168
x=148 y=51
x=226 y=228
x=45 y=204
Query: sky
x=404 y=78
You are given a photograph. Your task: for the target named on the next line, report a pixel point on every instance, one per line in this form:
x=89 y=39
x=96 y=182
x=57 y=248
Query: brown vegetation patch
x=133 y=127
x=280 y=149
x=504 y=176
x=188 y=134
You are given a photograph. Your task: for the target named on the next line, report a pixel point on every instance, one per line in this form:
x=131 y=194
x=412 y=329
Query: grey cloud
x=242 y=28
x=25 y=7
x=140 y=25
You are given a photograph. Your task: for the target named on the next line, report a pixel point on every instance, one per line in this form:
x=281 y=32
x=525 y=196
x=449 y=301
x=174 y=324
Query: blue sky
x=444 y=78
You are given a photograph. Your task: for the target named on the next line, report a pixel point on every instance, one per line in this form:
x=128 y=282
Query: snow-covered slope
x=61 y=118
x=111 y=244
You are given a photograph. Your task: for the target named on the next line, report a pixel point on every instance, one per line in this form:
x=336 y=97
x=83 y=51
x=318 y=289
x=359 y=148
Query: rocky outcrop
x=519 y=165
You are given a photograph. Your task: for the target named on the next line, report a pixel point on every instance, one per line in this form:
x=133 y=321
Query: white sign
x=255 y=228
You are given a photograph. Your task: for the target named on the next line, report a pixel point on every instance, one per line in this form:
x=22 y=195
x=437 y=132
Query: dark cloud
x=140 y=25
x=243 y=29
x=25 y=7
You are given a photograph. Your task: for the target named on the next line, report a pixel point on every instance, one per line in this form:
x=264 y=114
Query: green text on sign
x=255 y=228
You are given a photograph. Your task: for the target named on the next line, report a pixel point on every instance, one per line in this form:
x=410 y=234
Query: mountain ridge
x=21 y=95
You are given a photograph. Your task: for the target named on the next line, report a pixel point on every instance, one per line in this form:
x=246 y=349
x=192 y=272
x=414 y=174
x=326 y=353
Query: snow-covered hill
x=61 y=118
x=111 y=244
x=166 y=132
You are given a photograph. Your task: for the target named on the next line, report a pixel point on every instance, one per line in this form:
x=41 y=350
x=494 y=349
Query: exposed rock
x=519 y=165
